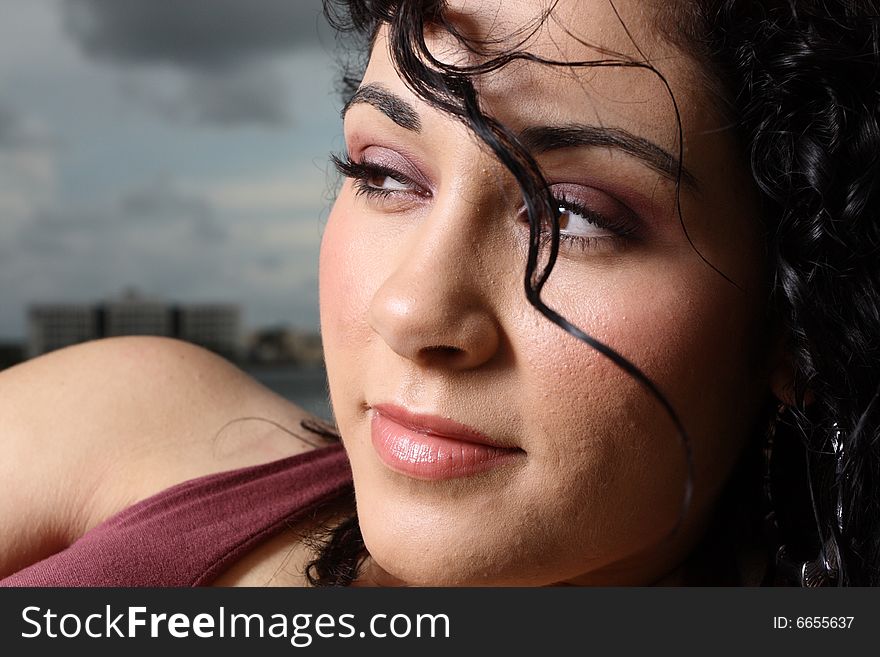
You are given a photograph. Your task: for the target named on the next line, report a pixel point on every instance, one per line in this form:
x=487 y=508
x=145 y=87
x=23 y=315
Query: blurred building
x=214 y=326
x=53 y=326
x=11 y=353
x=135 y=314
x=285 y=346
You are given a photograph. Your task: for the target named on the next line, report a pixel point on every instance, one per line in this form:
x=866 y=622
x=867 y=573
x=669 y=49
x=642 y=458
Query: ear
x=782 y=371
x=782 y=380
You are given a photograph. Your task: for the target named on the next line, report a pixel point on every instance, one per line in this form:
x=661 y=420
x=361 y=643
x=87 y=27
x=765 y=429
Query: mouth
x=433 y=448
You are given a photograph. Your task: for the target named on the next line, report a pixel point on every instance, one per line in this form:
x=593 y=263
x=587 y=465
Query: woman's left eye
x=578 y=221
x=589 y=219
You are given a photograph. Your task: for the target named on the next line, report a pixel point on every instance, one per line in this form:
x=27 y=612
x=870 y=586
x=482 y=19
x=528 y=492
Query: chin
x=444 y=559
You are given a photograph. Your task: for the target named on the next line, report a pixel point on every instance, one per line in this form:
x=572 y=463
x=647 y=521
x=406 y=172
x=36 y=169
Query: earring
x=771 y=527
x=823 y=570
x=837 y=446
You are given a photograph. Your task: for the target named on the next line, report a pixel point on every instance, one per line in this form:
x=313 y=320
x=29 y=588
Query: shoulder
x=89 y=430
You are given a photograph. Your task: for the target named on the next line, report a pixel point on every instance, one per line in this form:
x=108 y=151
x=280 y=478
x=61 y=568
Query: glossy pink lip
x=431 y=447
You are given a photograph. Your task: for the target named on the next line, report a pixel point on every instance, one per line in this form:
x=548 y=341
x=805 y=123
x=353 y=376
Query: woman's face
x=487 y=445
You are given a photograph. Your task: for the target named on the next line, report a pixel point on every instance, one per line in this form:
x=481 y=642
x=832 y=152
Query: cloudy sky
x=178 y=147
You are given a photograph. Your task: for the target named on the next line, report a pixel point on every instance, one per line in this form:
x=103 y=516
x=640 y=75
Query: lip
x=431 y=447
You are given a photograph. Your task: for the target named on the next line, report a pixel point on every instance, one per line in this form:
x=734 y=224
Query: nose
x=434 y=306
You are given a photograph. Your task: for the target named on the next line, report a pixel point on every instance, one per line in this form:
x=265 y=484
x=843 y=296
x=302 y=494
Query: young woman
x=599 y=302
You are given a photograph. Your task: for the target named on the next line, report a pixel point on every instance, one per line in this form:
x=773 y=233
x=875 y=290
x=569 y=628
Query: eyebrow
x=540 y=139
x=390 y=104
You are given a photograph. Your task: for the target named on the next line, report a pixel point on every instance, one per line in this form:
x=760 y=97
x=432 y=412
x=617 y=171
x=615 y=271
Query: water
x=304 y=386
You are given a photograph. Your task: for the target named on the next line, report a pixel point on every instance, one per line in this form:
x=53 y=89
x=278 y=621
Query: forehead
x=562 y=27
x=613 y=87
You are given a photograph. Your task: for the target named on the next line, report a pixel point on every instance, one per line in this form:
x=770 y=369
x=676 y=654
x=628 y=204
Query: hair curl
x=803 y=82
x=800 y=82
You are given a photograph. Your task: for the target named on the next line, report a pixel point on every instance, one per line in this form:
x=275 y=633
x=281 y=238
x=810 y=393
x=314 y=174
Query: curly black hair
x=799 y=81
x=802 y=79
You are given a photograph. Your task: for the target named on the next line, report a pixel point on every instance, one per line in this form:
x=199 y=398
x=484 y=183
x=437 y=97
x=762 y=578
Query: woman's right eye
x=388 y=183
x=375 y=180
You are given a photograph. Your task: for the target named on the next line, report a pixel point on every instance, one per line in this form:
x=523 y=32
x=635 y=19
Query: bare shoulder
x=91 y=429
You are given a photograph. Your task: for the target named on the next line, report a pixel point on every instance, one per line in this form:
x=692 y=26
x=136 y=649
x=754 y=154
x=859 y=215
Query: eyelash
x=622 y=230
x=362 y=172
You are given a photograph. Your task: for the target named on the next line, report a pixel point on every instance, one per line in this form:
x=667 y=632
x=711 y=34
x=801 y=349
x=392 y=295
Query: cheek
x=342 y=271
x=346 y=269
x=602 y=430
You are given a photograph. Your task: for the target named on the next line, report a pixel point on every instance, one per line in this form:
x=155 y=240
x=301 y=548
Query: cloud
x=228 y=55
x=297 y=188
x=28 y=168
x=252 y=95
x=144 y=220
x=160 y=201
x=8 y=127
x=19 y=132
x=207 y=34
x=166 y=240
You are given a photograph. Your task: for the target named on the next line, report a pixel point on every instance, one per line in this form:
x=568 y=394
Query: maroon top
x=191 y=533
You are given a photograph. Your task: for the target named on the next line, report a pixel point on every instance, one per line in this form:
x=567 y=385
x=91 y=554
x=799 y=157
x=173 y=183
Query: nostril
x=440 y=353
x=441 y=350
